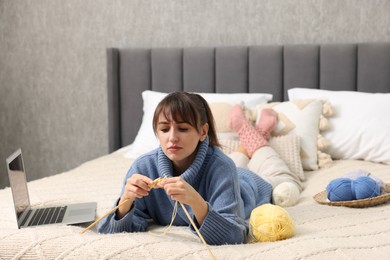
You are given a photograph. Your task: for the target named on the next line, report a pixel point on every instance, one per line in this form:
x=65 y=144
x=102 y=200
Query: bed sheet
x=322 y=232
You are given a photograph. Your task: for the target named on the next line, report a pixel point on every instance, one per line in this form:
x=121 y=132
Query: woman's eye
x=182 y=129
x=164 y=130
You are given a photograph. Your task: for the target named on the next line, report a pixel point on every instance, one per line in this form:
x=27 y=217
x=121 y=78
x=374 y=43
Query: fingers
x=177 y=188
x=172 y=184
x=171 y=180
x=137 y=186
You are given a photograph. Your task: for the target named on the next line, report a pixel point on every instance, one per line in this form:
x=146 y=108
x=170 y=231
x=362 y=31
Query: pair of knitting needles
x=153 y=185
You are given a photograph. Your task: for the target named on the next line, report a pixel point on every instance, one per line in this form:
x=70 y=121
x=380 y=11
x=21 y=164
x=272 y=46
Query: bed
x=350 y=141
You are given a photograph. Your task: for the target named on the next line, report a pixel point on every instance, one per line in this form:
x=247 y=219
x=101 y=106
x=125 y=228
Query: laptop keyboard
x=44 y=216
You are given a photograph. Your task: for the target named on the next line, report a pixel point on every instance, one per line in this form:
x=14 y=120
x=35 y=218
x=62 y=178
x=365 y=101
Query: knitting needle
x=197 y=231
x=105 y=215
x=152 y=185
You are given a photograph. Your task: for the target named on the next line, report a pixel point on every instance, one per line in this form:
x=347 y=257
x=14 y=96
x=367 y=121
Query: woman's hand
x=178 y=189
x=137 y=186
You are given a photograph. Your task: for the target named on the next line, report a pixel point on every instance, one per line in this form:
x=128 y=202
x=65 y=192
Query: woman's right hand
x=137 y=186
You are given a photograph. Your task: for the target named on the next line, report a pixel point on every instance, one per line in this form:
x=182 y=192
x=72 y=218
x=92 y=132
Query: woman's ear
x=204 y=132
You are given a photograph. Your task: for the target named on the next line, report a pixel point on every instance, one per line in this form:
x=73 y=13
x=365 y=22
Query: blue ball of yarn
x=365 y=187
x=340 y=189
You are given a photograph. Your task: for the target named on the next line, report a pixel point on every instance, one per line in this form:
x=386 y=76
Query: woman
x=218 y=195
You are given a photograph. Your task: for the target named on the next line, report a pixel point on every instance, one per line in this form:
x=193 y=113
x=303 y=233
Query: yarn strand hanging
x=167 y=229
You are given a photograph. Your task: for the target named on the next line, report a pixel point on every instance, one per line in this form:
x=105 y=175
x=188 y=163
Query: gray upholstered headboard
x=266 y=69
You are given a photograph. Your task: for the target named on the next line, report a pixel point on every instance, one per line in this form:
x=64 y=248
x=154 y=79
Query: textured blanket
x=322 y=232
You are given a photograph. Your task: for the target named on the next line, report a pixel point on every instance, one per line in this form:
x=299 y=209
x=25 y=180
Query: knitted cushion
x=287 y=146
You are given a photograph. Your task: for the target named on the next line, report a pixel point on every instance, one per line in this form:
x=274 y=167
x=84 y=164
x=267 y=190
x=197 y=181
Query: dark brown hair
x=190 y=108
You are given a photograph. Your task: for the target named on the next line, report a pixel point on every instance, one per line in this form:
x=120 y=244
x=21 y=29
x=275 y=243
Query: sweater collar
x=191 y=174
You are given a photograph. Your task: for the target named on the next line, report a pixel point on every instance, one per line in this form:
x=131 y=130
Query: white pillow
x=360 y=126
x=146 y=140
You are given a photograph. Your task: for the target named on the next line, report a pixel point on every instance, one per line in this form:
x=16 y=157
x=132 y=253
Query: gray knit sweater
x=231 y=194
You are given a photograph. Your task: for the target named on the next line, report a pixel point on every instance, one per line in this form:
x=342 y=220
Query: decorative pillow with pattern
x=306 y=119
x=288 y=147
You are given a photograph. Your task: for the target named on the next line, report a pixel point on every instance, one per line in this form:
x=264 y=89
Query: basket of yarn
x=344 y=189
x=356 y=189
x=269 y=223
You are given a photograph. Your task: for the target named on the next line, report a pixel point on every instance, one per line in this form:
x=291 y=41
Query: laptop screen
x=18 y=182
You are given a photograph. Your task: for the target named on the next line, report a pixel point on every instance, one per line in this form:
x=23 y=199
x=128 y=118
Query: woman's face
x=179 y=141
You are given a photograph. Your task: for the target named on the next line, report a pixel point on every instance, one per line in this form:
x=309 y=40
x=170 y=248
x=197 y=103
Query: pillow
x=360 y=125
x=287 y=146
x=302 y=118
x=146 y=139
x=221 y=111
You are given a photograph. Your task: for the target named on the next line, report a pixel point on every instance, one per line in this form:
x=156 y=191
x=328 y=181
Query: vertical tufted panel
x=231 y=69
x=134 y=75
x=301 y=67
x=199 y=69
x=266 y=70
x=374 y=67
x=338 y=66
x=167 y=69
x=113 y=102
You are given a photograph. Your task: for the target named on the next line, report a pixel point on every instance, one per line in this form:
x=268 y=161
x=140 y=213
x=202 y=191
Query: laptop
x=27 y=216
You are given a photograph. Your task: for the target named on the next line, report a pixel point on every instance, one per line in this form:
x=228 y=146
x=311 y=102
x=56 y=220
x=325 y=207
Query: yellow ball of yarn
x=270 y=223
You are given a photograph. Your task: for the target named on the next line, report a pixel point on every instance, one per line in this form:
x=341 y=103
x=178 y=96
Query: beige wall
x=52 y=57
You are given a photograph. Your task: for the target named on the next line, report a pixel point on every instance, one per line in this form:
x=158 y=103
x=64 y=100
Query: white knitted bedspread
x=322 y=232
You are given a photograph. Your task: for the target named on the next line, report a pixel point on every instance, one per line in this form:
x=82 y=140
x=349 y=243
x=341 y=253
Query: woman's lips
x=174 y=148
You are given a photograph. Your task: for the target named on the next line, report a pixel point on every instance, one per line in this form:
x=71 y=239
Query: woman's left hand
x=178 y=189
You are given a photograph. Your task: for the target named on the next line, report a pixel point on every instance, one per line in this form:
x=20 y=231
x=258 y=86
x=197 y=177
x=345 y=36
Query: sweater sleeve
x=225 y=220
x=133 y=221
x=217 y=229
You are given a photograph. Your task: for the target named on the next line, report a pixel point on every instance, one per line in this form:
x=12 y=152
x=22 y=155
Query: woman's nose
x=173 y=135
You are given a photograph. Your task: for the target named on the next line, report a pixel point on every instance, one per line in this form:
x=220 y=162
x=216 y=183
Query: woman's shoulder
x=221 y=158
x=146 y=160
x=221 y=168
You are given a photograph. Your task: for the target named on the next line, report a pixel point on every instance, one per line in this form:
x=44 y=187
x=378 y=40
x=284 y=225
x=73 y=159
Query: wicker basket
x=323 y=199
